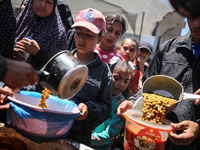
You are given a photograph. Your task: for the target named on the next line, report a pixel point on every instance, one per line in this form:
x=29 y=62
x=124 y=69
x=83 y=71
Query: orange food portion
x=155 y=107
x=45 y=95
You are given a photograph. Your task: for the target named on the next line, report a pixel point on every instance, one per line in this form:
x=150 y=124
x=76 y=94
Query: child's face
x=43 y=8
x=121 y=77
x=128 y=50
x=85 y=40
x=112 y=34
x=144 y=53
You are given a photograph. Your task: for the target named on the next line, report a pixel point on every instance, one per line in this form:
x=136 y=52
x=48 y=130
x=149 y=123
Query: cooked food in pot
x=155 y=107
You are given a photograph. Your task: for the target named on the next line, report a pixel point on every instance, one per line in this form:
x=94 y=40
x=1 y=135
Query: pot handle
x=190 y=97
x=43 y=75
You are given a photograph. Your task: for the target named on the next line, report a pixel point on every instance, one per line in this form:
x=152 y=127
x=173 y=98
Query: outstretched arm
x=19 y=74
x=123 y=107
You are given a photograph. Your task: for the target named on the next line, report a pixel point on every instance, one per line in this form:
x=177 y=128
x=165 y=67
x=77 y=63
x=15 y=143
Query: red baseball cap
x=91 y=19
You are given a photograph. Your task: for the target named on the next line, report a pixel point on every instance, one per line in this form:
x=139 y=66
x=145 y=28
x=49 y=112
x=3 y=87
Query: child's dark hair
x=116 y=17
x=120 y=63
x=101 y=33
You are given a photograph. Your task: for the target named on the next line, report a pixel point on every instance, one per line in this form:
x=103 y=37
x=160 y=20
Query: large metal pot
x=165 y=86
x=63 y=75
x=187 y=8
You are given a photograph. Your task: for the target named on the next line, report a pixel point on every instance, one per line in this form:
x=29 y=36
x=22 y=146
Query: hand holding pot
x=197 y=102
x=19 y=74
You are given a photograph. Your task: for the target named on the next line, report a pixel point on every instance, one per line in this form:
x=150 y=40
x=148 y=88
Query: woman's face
x=43 y=8
x=121 y=77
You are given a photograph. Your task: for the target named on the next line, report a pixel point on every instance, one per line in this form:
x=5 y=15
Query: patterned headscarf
x=49 y=32
x=7 y=29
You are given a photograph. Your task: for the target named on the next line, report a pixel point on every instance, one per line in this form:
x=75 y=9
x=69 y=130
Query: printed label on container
x=145 y=139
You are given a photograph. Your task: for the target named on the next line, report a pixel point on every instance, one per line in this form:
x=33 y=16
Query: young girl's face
x=43 y=8
x=128 y=50
x=112 y=34
x=121 y=77
x=85 y=40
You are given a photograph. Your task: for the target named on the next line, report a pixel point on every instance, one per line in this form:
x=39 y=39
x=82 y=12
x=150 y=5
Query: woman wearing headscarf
x=40 y=32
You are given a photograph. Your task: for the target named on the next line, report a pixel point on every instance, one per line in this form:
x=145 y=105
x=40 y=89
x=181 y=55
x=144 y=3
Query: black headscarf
x=65 y=14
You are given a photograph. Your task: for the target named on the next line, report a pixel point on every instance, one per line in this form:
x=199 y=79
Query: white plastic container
x=143 y=135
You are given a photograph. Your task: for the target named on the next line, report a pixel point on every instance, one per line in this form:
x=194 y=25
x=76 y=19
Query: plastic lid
x=135 y=116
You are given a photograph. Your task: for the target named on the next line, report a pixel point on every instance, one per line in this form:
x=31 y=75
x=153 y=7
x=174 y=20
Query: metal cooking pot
x=165 y=86
x=63 y=75
x=187 y=8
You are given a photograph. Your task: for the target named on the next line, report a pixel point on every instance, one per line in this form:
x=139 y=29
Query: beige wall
x=154 y=11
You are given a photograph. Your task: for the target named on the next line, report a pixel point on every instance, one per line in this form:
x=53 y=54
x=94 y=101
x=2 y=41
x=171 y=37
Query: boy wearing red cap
x=94 y=99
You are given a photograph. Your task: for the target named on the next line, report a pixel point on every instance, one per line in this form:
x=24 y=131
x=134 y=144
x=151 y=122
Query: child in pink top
x=115 y=27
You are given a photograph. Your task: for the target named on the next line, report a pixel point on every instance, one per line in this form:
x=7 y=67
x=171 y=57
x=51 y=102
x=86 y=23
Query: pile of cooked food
x=155 y=107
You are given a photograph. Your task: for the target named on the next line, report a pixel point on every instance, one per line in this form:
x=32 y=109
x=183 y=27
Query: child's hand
x=84 y=112
x=122 y=108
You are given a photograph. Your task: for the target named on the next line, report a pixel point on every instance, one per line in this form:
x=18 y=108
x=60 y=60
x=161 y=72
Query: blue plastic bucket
x=41 y=124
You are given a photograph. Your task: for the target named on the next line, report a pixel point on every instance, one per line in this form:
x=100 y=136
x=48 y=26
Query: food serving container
x=41 y=124
x=144 y=135
x=164 y=86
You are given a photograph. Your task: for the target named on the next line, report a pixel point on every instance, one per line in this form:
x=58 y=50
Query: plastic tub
x=143 y=135
x=41 y=124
